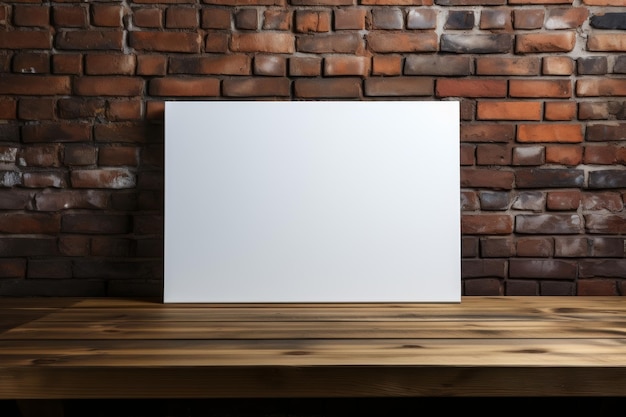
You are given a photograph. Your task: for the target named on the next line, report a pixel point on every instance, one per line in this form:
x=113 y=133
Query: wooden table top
x=483 y=346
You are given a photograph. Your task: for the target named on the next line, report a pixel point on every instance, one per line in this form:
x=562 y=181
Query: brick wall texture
x=541 y=83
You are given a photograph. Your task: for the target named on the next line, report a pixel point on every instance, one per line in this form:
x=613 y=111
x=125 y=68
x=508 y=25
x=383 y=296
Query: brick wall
x=542 y=87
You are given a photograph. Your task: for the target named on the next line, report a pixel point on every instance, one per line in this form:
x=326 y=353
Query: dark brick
x=571 y=247
x=469 y=246
x=606 y=132
x=608 y=21
x=597 y=287
x=557 y=288
x=49 y=200
x=549 y=177
x=605 y=223
x=117 y=269
x=129 y=132
x=521 y=287
x=483 y=287
x=497 y=247
x=53 y=288
x=610 y=178
x=594 y=65
x=437 y=65
x=602 y=268
x=346 y=43
x=535 y=247
x=16 y=199
x=12 y=268
x=477 y=44
x=28 y=246
x=608 y=247
x=486 y=178
x=459 y=20
x=111 y=247
x=478 y=268
x=548 y=223
x=96 y=223
x=542 y=269
x=29 y=223
x=494 y=200
x=49 y=268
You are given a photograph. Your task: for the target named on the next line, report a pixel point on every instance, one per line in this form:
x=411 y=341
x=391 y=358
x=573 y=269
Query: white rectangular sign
x=305 y=201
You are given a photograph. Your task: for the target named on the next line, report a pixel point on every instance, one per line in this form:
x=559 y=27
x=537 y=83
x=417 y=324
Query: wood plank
x=336 y=352
x=211 y=330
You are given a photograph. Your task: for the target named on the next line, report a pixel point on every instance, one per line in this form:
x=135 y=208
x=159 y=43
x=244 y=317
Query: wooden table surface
x=53 y=348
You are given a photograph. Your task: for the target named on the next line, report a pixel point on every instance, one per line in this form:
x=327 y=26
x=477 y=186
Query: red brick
x=468 y=154
x=540 y=88
x=12 y=268
x=151 y=65
x=557 y=65
x=263 y=42
x=107 y=15
x=487 y=178
x=25 y=39
x=118 y=156
x=218 y=18
x=483 y=287
x=535 y=247
x=597 y=287
x=493 y=154
x=108 y=86
x=341 y=65
x=124 y=110
x=43 y=179
x=29 y=223
x=508 y=66
x=452 y=87
x=606 y=42
x=36 y=108
x=110 y=246
x=387 y=64
x=563 y=200
x=566 y=18
x=259 y=87
x=67 y=64
x=8 y=110
x=155 y=110
x=28 y=246
x=508 y=110
x=128 y=132
x=495 y=19
x=595 y=87
x=79 y=154
x=605 y=154
x=312 y=21
x=90 y=39
x=328 y=88
x=497 y=247
x=185 y=87
x=78 y=108
x=486 y=224
x=270 y=65
x=350 y=18
x=383 y=42
x=559 y=110
x=148 y=18
x=234 y=64
x=486 y=132
x=217 y=42
x=340 y=43
x=74 y=16
x=399 y=86
x=553 y=132
x=604 y=2
x=246 y=19
x=181 y=18
x=56 y=132
x=564 y=155
x=528 y=155
x=599 y=268
x=105 y=64
x=276 y=20
x=31 y=16
x=249 y=2
x=609 y=201
x=397 y=2
x=548 y=224
x=166 y=41
x=528 y=18
x=305 y=66
x=593 y=110
x=116 y=178
x=545 y=42
x=31 y=63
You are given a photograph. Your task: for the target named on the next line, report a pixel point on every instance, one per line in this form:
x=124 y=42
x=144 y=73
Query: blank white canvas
x=302 y=201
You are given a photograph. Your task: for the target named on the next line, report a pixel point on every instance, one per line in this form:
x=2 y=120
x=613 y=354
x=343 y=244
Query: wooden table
x=55 y=348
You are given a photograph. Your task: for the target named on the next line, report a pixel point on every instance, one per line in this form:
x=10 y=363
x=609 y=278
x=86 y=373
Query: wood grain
x=483 y=346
